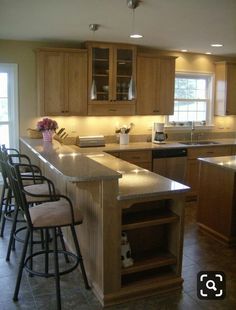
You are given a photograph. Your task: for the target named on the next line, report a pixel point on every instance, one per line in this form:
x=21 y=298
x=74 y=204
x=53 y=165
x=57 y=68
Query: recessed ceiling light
x=208 y=53
x=184 y=51
x=136 y=36
x=216 y=45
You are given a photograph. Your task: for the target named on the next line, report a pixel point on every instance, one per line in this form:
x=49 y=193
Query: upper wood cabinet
x=155 y=85
x=62 y=81
x=110 y=69
x=225 y=96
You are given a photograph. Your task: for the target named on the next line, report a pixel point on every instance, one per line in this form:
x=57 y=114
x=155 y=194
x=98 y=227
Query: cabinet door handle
x=155 y=111
x=210 y=152
x=112 y=110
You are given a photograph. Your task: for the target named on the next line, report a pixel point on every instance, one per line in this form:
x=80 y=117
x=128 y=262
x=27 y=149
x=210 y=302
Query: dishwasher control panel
x=169 y=152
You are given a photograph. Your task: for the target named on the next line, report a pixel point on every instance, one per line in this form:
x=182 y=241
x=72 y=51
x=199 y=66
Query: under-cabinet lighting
x=136 y=36
x=184 y=51
x=216 y=45
x=208 y=53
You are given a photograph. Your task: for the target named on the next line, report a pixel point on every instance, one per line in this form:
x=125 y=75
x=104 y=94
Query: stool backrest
x=2 y=166
x=4 y=152
x=15 y=180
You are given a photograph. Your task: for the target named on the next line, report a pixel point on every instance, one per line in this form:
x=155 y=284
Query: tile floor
x=200 y=253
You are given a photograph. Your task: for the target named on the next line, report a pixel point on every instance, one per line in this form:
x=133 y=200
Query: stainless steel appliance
x=158 y=135
x=170 y=163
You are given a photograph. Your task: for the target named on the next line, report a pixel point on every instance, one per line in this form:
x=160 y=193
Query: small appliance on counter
x=88 y=141
x=158 y=135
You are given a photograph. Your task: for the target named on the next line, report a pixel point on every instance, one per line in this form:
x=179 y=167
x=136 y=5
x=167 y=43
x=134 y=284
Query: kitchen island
x=217 y=198
x=116 y=196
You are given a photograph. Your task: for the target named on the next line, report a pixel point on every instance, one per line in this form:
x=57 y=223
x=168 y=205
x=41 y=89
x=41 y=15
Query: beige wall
x=22 y=53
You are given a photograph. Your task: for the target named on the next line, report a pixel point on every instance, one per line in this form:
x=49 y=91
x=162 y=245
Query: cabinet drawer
x=136 y=156
x=209 y=151
x=111 y=109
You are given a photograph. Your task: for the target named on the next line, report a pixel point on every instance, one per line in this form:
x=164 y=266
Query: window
x=193 y=99
x=9 y=133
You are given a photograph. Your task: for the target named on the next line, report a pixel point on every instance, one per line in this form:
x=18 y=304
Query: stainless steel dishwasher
x=170 y=163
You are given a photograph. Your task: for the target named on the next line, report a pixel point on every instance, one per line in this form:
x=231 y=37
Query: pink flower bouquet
x=47 y=124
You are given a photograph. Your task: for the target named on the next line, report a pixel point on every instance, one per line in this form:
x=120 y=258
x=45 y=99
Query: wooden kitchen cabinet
x=142 y=159
x=62 y=81
x=110 y=68
x=155 y=85
x=216 y=208
x=192 y=173
x=225 y=94
x=158 y=259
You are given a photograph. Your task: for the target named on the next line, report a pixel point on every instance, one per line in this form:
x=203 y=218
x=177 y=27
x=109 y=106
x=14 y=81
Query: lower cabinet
x=141 y=158
x=192 y=171
x=154 y=232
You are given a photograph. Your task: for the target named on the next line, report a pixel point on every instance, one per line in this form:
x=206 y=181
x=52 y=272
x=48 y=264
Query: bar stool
x=36 y=194
x=6 y=205
x=52 y=215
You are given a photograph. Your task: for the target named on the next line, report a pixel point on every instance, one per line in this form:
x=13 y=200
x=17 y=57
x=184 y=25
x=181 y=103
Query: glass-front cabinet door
x=124 y=73
x=112 y=67
x=100 y=87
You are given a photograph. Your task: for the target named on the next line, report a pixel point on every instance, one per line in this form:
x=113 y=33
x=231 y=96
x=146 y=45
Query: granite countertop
x=135 y=146
x=136 y=181
x=74 y=166
x=227 y=162
x=95 y=164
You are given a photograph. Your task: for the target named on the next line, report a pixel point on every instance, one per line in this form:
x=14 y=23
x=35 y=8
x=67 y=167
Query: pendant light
x=93 y=91
x=133 y=4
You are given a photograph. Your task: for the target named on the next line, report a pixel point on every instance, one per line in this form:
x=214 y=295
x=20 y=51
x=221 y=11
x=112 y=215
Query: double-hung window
x=193 y=99
x=9 y=123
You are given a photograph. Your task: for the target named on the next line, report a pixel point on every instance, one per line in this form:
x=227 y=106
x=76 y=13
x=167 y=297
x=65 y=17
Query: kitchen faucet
x=192 y=131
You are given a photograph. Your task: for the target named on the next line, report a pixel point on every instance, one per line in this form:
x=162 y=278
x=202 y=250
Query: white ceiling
x=165 y=24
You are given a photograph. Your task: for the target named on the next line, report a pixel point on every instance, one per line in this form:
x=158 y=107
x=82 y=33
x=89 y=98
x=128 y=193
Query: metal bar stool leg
x=31 y=253
x=63 y=244
x=42 y=238
x=8 y=198
x=11 y=240
x=2 y=200
x=21 y=265
x=56 y=266
x=80 y=257
x=46 y=248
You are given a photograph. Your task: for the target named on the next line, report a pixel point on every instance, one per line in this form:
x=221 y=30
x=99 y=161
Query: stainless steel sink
x=207 y=142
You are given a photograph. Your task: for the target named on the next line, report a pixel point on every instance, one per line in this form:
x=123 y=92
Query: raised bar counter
x=116 y=196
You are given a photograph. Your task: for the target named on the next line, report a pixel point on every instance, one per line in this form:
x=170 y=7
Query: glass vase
x=47 y=135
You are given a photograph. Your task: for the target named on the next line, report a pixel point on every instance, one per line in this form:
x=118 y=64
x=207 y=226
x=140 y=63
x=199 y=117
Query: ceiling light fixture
x=216 y=45
x=93 y=92
x=133 y=4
